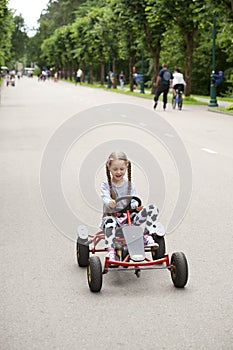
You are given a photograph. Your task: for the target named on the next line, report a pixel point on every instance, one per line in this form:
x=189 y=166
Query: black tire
x=159 y=253
x=94 y=274
x=173 y=102
x=179 y=269
x=124 y=254
x=82 y=252
x=180 y=104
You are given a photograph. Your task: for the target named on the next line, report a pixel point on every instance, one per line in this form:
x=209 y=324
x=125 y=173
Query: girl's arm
x=105 y=195
x=133 y=192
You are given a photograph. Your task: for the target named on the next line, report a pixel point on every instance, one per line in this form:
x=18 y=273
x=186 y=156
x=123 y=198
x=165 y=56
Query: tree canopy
x=102 y=35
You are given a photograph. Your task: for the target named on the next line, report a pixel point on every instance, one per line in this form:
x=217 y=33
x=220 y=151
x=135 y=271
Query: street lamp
x=213 y=93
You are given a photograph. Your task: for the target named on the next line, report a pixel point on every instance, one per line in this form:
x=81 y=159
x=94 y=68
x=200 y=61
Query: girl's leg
x=149 y=216
x=109 y=227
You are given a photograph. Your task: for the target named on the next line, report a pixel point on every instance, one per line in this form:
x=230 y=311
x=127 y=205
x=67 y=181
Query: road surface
x=45 y=300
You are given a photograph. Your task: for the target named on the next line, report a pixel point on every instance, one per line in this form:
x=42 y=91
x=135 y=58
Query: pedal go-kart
x=130 y=253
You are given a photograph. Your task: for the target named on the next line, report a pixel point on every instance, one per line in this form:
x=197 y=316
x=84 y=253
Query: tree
x=144 y=30
x=6 y=28
x=177 y=32
x=187 y=16
x=19 y=40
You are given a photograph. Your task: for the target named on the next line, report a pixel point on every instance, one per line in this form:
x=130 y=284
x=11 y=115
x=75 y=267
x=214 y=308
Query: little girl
x=117 y=186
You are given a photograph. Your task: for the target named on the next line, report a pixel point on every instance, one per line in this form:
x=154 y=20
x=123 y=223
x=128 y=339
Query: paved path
x=45 y=300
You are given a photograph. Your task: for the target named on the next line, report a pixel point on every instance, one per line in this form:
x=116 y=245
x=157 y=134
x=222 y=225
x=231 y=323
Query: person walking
x=122 y=79
x=79 y=75
x=163 y=83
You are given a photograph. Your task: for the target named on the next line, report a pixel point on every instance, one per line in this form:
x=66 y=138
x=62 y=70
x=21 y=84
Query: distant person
x=163 y=83
x=112 y=78
x=122 y=79
x=138 y=80
x=135 y=77
x=79 y=76
x=43 y=75
x=56 y=77
x=217 y=78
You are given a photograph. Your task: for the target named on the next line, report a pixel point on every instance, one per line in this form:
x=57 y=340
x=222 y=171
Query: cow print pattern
x=147 y=215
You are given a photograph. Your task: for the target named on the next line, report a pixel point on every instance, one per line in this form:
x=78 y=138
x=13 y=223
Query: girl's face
x=117 y=169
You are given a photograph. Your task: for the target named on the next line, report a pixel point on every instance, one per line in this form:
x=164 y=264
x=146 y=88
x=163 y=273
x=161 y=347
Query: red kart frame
x=99 y=236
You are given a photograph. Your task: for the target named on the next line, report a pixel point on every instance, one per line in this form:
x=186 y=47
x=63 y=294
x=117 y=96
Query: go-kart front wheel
x=179 y=269
x=82 y=252
x=94 y=274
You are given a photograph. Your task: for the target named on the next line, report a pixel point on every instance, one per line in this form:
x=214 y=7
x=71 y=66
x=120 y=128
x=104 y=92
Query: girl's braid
x=129 y=177
x=112 y=192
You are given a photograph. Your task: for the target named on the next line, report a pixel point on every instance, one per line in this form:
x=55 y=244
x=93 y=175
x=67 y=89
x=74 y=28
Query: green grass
x=221 y=110
x=190 y=100
x=220 y=98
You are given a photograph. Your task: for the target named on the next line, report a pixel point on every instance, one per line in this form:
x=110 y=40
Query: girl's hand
x=112 y=203
x=139 y=208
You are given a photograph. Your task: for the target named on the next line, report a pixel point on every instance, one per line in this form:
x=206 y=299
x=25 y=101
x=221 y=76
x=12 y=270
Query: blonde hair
x=117 y=156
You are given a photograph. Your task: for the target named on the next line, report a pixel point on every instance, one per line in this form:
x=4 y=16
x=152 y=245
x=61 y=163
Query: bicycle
x=177 y=99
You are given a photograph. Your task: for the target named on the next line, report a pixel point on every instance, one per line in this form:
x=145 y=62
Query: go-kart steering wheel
x=128 y=198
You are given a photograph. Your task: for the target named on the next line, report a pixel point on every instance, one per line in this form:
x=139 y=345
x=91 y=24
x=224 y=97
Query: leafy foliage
x=6 y=28
x=99 y=35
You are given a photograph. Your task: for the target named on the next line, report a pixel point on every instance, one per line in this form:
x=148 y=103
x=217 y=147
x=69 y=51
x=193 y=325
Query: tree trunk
x=70 y=71
x=91 y=73
x=155 y=72
x=189 y=42
x=154 y=49
x=115 y=74
x=131 y=60
x=84 y=68
x=102 y=74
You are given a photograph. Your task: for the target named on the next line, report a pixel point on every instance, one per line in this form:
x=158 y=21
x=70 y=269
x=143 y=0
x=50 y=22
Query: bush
x=229 y=108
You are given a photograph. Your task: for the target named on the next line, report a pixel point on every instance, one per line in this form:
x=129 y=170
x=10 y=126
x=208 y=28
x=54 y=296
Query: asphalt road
x=45 y=300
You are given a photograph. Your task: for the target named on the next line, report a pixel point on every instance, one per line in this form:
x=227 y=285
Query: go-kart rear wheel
x=82 y=252
x=94 y=274
x=179 y=269
x=159 y=253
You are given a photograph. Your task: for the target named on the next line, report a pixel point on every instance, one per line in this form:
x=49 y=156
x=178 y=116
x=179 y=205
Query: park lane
x=45 y=300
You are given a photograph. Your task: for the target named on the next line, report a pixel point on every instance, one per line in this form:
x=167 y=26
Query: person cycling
x=178 y=81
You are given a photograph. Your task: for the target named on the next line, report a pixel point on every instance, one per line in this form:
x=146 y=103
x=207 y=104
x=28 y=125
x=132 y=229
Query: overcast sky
x=29 y=9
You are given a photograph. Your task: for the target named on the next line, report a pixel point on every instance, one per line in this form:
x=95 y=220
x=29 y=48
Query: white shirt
x=79 y=73
x=178 y=78
x=120 y=191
